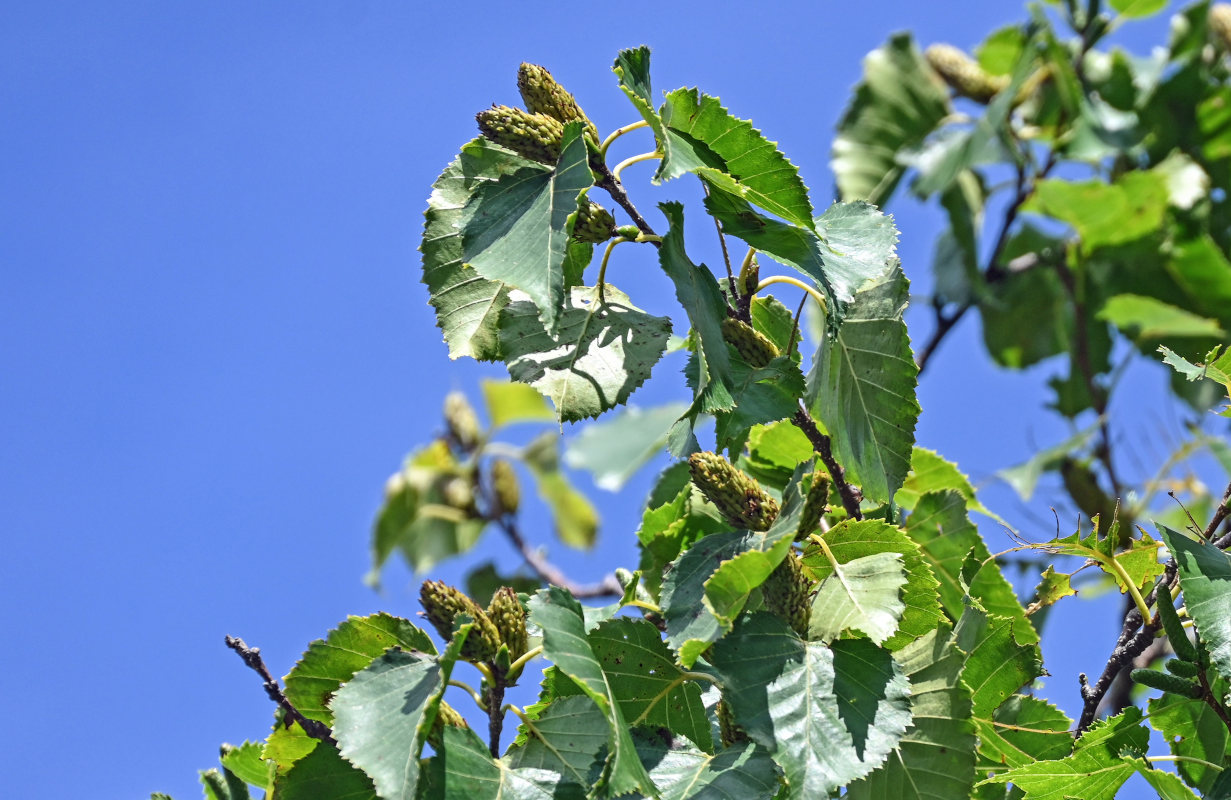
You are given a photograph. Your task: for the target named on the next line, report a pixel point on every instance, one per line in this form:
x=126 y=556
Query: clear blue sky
x=214 y=346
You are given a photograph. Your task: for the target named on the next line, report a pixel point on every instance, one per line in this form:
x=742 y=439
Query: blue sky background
x=214 y=346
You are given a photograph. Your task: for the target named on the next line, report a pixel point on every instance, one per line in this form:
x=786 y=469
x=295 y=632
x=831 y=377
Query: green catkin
x=542 y=94
x=442 y=603
x=752 y=345
x=505 y=489
x=462 y=422
x=964 y=74
x=594 y=224
x=506 y=613
x=1167 y=683
x=739 y=497
x=533 y=136
x=1180 y=643
x=786 y=594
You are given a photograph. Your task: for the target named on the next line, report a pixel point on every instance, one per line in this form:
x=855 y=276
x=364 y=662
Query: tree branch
x=611 y=184
x=550 y=572
x=1220 y=514
x=821 y=443
x=252 y=657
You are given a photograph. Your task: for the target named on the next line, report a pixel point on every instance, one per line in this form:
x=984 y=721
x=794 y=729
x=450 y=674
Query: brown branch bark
x=820 y=442
x=550 y=572
x=252 y=657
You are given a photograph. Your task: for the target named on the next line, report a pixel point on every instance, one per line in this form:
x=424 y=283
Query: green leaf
x=223 y=785
x=485 y=580
x=703 y=301
x=567 y=737
x=758 y=555
x=856 y=243
x=645 y=680
x=944 y=533
x=248 y=763
x=1138 y=560
x=762 y=174
x=614 y=449
x=632 y=68
x=1052 y=587
x=565 y=644
x=899 y=102
x=1138 y=8
x=575 y=520
x=742 y=771
x=862 y=388
x=936 y=758
x=1192 y=729
x=1217 y=369
x=691 y=623
x=1100 y=763
x=352 y=646
x=1145 y=318
x=774 y=451
x=861 y=595
x=324 y=773
x=603 y=350
x=670 y=527
x=382 y=716
x=1000 y=657
x=1027 y=317
x=850 y=540
x=515 y=229
x=286 y=745
x=462 y=769
x=1023 y=730
x=1167 y=784
x=1001 y=50
x=930 y=472
x=1104 y=214
x=1204 y=573
x=417 y=518
x=509 y=403
x=829 y=714
x=467 y=305
x=764 y=395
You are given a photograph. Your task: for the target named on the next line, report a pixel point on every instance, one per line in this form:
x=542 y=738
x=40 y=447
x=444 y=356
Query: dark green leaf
x=632 y=68
x=604 y=349
x=515 y=229
x=462 y=769
x=1192 y=729
x=566 y=737
x=1000 y=658
x=691 y=623
x=936 y=758
x=1205 y=579
x=862 y=388
x=565 y=644
x=1023 y=730
x=324 y=773
x=743 y=771
x=828 y=714
x=352 y=646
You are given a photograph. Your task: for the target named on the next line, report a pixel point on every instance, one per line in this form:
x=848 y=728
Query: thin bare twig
x=252 y=657
x=550 y=572
x=820 y=442
x=1220 y=514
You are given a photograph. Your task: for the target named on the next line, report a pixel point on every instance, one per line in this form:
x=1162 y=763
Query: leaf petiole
x=618 y=132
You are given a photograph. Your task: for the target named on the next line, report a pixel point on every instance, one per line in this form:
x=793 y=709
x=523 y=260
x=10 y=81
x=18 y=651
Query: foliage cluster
x=814 y=611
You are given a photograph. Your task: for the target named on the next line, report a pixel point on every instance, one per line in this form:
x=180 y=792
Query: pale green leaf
x=1138 y=8
x=604 y=349
x=899 y=102
x=647 y=684
x=467 y=305
x=382 y=716
x=930 y=472
x=761 y=173
x=614 y=449
x=1138 y=560
x=743 y=771
x=574 y=517
x=509 y=403
x=287 y=744
x=1205 y=579
x=936 y=758
x=1147 y=318
x=1052 y=587
x=324 y=773
x=248 y=763
x=774 y=451
x=829 y=714
x=1104 y=214
x=1102 y=760
x=515 y=229
x=565 y=644
x=862 y=388
x=1167 y=784
x=1001 y=50
x=862 y=595
x=850 y=540
x=352 y=646
x=416 y=516
x=1217 y=369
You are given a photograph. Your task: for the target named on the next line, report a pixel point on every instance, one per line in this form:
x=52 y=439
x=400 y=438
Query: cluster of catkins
x=536 y=133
